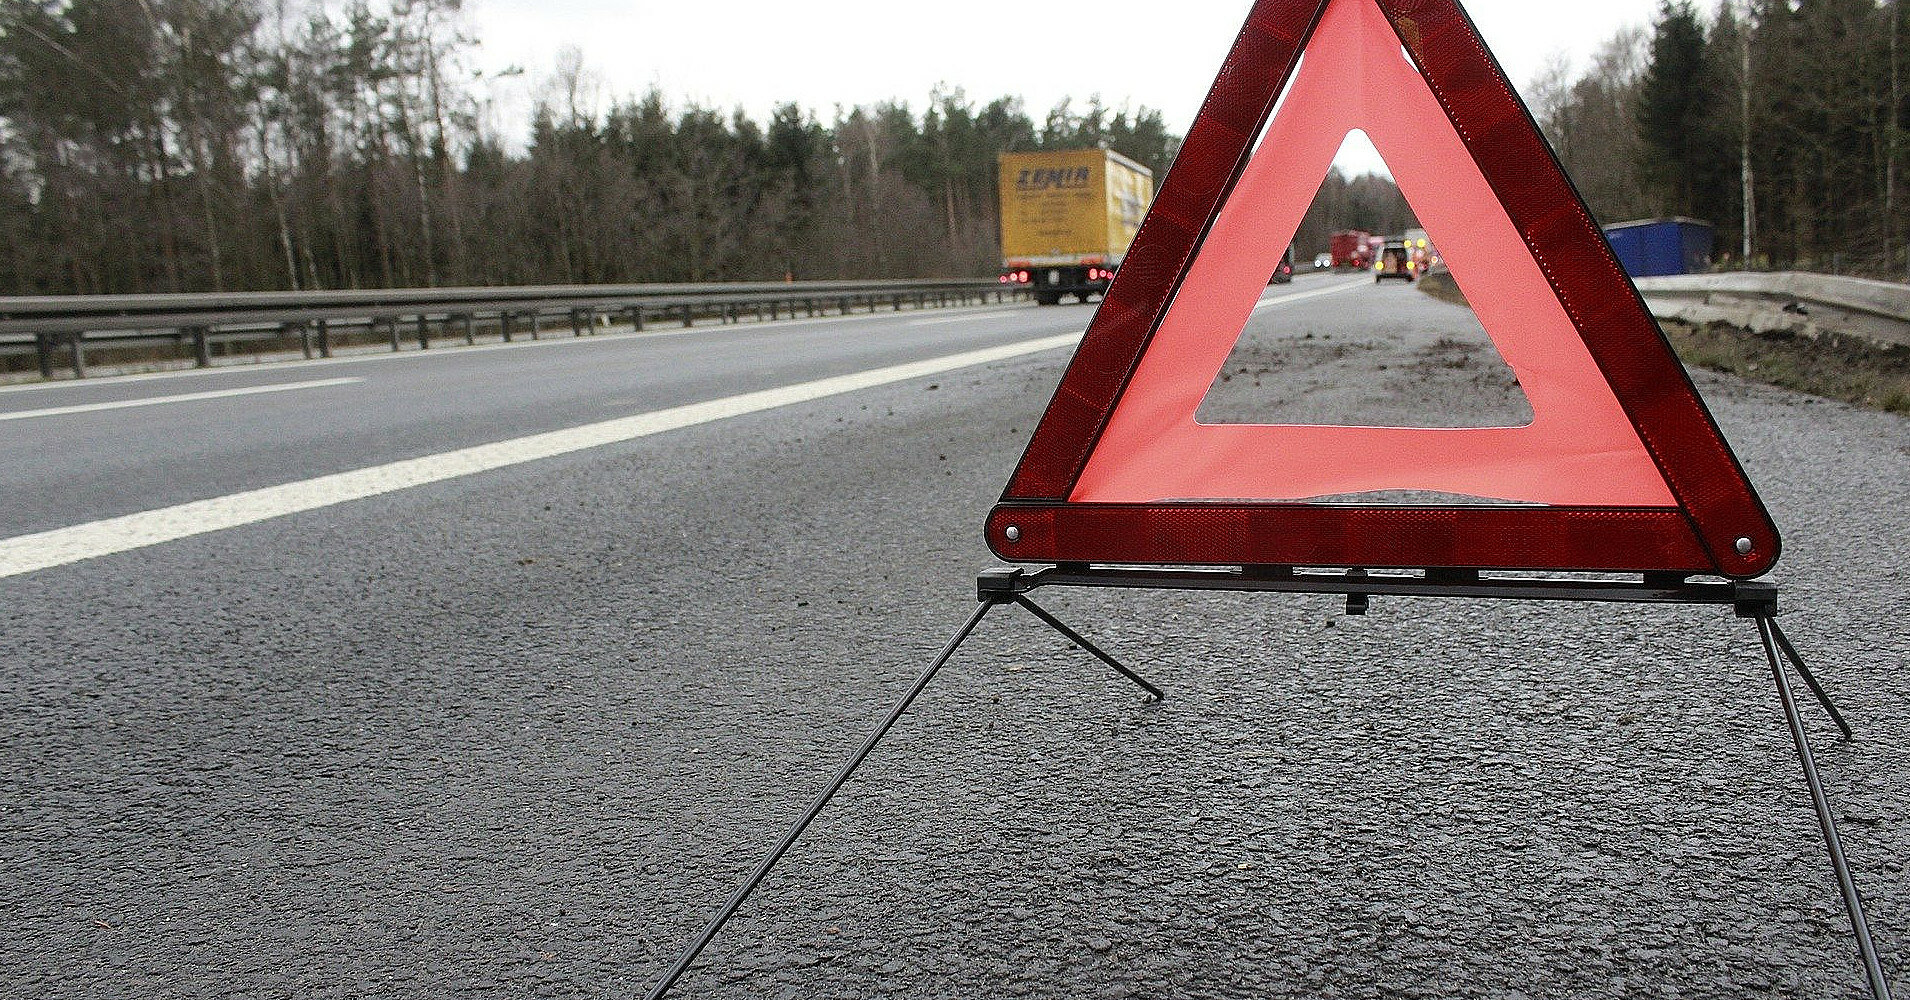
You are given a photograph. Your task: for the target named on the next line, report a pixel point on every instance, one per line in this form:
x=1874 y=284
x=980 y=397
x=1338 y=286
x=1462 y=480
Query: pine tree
x=1680 y=155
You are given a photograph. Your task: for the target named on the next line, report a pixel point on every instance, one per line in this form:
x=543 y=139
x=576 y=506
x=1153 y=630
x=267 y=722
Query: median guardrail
x=64 y=327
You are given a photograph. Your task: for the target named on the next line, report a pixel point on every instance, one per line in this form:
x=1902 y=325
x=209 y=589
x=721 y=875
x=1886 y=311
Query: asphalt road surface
x=516 y=727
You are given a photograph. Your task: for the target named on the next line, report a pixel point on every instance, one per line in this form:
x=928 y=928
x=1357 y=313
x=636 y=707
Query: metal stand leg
x=1853 y=903
x=1154 y=693
x=815 y=808
x=1810 y=680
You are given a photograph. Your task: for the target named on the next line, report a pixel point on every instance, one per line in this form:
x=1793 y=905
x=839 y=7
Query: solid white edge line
x=122 y=404
x=61 y=546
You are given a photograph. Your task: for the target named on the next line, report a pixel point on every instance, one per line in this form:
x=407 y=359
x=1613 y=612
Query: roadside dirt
x=1848 y=369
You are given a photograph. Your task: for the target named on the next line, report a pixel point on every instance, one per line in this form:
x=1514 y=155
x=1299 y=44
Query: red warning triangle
x=1621 y=469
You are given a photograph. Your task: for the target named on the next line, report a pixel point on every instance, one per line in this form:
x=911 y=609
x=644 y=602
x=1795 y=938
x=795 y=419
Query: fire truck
x=1352 y=250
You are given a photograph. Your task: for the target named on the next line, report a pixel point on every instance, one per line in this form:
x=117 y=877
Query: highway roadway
x=490 y=671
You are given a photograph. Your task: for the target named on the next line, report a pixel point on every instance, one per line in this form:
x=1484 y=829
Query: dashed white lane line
x=185 y=397
x=1315 y=293
x=969 y=318
x=60 y=546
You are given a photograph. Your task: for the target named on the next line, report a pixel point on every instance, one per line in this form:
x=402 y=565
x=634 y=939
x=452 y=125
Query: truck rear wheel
x=1047 y=298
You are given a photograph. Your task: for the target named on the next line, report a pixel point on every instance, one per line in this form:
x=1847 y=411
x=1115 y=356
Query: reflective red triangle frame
x=1719 y=525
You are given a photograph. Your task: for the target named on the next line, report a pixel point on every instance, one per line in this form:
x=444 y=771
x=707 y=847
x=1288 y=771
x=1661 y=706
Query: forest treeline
x=1807 y=96
x=188 y=145
x=185 y=145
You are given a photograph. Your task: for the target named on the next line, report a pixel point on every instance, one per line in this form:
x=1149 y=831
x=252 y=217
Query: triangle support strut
x=991 y=597
x=1756 y=600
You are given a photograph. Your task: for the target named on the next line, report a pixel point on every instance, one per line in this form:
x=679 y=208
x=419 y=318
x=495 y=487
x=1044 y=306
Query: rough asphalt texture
x=518 y=735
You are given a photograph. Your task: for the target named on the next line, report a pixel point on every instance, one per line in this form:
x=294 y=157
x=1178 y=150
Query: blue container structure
x=1651 y=247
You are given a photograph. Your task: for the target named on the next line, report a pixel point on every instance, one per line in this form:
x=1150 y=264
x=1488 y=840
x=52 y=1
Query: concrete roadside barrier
x=1793 y=302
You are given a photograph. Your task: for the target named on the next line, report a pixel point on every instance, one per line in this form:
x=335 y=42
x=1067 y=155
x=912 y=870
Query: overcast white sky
x=754 y=54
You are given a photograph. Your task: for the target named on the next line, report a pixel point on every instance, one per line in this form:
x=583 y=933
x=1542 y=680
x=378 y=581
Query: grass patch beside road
x=1850 y=369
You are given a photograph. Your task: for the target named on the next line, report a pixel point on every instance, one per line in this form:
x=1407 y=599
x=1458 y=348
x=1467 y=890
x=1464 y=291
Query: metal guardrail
x=1877 y=298
x=1875 y=310
x=51 y=326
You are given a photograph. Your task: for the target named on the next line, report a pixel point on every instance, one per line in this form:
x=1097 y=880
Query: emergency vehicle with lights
x=1352 y=249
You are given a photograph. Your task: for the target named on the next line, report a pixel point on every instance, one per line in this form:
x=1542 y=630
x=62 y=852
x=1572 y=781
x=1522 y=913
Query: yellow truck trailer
x=1067 y=217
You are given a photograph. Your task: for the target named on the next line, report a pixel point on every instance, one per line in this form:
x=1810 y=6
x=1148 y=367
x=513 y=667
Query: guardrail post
x=387 y=319
x=79 y=354
x=201 y=347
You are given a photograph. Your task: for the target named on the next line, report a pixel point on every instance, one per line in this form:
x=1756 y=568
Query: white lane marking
x=1315 y=293
x=653 y=330
x=971 y=317
x=54 y=411
x=60 y=546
